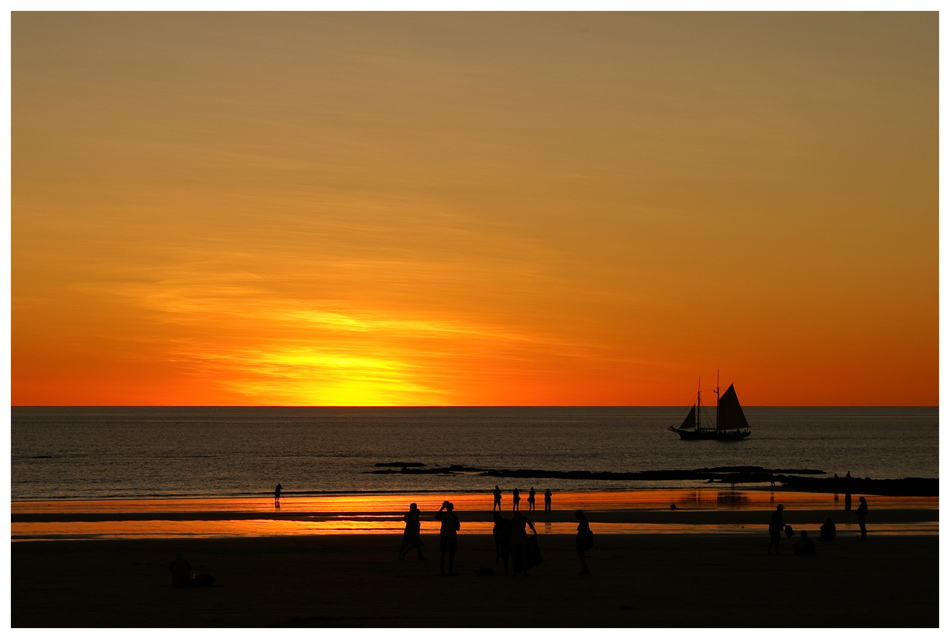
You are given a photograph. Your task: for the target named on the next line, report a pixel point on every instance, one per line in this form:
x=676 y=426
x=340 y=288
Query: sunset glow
x=474 y=208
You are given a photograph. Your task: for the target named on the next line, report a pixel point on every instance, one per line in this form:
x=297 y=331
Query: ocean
x=66 y=453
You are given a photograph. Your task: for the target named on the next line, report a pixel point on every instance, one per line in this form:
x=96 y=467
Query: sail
x=690 y=421
x=730 y=412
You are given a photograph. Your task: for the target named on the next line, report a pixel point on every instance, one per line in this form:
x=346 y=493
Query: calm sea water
x=143 y=452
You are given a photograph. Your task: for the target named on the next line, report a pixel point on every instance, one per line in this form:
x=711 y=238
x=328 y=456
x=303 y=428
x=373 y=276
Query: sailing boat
x=730 y=420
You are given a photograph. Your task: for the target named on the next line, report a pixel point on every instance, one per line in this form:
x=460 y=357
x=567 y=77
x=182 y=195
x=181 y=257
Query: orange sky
x=473 y=209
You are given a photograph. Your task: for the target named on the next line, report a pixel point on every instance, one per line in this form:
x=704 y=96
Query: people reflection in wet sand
x=502 y=536
x=547 y=500
x=516 y=499
x=584 y=540
x=804 y=546
x=519 y=543
x=277 y=495
x=863 y=518
x=531 y=499
x=776 y=526
x=497 y=494
x=448 y=537
x=412 y=536
x=828 y=532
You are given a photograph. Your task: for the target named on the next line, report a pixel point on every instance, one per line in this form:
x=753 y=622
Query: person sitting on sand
x=547 y=500
x=519 y=543
x=181 y=571
x=412 y=537
x=776 y=525
x=515 y=499
x=448 y=536
x=497 y=494
x=828 y=532
x=584 y=540
x=804 y=546
x=502 y=536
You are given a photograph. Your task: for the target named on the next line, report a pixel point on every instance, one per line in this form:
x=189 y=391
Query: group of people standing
x=510 y=536
x=805 y=546
x=516 y=499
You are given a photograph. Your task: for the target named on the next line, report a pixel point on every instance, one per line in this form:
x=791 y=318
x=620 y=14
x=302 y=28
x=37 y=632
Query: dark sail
x=730 y=412
x=690 y=421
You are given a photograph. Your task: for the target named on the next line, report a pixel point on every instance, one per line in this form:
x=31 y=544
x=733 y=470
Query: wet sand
x=653 y=580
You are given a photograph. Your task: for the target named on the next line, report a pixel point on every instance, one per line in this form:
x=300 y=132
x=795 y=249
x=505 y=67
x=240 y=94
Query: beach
x=710 y=576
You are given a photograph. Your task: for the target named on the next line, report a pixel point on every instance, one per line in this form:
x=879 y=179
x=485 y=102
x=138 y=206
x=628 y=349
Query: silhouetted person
x=502 y=535
x=828 y=532
x=863 y=518
x=835 y=486
x=412 y=536
x=519 y=543
x=448 y=536
x=584 y=540
x=804 y=546
x=547 y=500
x=531 y=499
x=776 y=526
x=497 y=494
x=181 y=571
x=847 y=492
x=516 y=499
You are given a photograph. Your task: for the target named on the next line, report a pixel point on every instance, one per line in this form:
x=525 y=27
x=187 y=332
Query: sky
x=474 y=208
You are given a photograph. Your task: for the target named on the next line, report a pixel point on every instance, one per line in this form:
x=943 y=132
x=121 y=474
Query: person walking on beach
x=584 y=540
x=515 y=499
x=502 y=536
x=412 y=536
x=497 y=494
x=519 y=543
x=547 y=500
x=448 y=537
x=277 y=495
x=863 y=518
x=776 y=526
x=531 y=499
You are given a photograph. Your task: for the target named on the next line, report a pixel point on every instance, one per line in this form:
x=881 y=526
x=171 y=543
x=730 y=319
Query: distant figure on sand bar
x=547 y=500
x=776 y=526
x=531 y=499
x=497 y=494
x=448 y=537
x=412 y=537
x=277 y=495
x=516 y=499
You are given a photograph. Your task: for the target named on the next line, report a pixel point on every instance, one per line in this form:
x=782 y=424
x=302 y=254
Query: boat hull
x=721 y=435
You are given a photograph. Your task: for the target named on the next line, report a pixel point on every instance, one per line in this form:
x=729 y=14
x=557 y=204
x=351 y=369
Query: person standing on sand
x=502 y=536
x=277 y=495
x=776 y=526
x=448 y=536
x=515 y=499
x=412 y=537
x=497 y=494
x=547 y=500
x=584 y=540
x=531 y=499
x=863 y=518
x=519 y=543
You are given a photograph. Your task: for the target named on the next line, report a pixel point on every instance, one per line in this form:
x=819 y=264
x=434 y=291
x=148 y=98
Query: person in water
x=412 y=536
x=584 y=540
x=448 y=536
